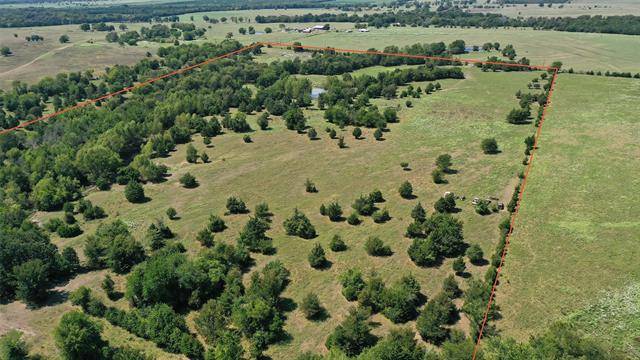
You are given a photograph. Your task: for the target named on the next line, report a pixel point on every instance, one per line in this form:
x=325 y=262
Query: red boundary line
x=368 y=52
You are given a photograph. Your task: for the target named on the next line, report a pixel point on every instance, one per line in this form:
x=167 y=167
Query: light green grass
x=577 y=232
x=275 y=166
x=573 y=8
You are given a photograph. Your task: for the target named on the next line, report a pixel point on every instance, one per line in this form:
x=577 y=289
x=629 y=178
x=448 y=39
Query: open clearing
x=573 y=8
x=575 y=245
x=274 y=167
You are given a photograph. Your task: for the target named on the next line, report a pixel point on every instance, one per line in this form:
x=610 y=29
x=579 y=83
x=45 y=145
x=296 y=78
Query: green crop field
x=275 y=166
x=571 y=8
x=574 y=250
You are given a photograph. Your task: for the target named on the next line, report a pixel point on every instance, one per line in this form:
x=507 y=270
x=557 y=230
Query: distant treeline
x=37 y=16
x=628 y=24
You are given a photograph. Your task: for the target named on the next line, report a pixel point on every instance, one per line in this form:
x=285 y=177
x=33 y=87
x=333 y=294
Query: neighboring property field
x=571 y=8
x=32 y=61
x=575 y=246
x=275 y=166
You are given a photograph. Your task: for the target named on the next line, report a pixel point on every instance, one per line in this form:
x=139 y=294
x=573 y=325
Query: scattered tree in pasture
x=459 y=266
x=299 y=225
x=311 y=307
x=489 y=146
x=337 y=244
x=406 y=190
x=317 y=257
x=374 y=246
x=188 y=181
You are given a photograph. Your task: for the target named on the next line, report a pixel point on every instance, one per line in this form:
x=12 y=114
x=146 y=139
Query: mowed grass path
x=274 y=167
x=576 y=238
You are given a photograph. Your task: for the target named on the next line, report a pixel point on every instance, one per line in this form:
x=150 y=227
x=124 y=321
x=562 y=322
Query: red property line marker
x=369 y=52
x=127 y=89
x=515 y=213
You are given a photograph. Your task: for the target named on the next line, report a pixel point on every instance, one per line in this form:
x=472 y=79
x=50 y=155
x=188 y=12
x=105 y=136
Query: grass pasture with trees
x=273 y=169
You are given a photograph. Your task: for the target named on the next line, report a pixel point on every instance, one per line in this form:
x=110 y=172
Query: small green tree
x=418 y=213
x=63 y=39
x=475 y=254
x=458 y=266
x=236 y=206
x=205 y=237
x=216 y=224
x=311 y=307
x=337 y=244
x=374 y=246
x=31 y=279
x=332 y=133
x=443 y=162
x=108 y=285
x=317 y=257
x=134 y=192
x=263 y=121
x=192 y=154
x=438 y=176
x=299 y=225
x=381 y=216
x=357 y=133
x=334 y=211
x=12 y=347
x=489 y=146
x=188 y=181
x=378 y=135
x=341 y=143
x=310 y=187
x=171 y=213
x=204 y=157
x=406 y=190
x=353 y=219
x=312 y=134
x=78 y=337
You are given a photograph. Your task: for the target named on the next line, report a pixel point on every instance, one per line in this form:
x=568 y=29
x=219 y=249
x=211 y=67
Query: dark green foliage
x=415 y=230
x=247 y=139
x=353 y=219
x=406 y=190
x=475 y=299
x=68 y=231
x=192 y=154
x=450 y=287
x=376 y=196
x=78 y=337
x=294 y=119
x=212 y=321
x=513 y=203
x=364 y=205
x=446 y=204
x=253 y=236
x=188 y=181
x=438 y=312
x=299 y=225
x=337 y=244
x=353 y=335
x=482 y=207
x=134 y=192
x=31 y=281
x=489 y=146
x=123 y=253
x=474 y=253
x=399 y=344
x=311 y=307
x=70 y=263
x=205 y=238
x=236 y=206
x=374 y=246
x=332 y=133
x=12 y=347
x=438 y=176
x=108 y=285
x=216 y=224
x=518 y=116
x=458 y=266
x=171 y=213
x=423 y=252
x=333 y=211
x=378 y=135
x=352 y=283
x=401 y=300
x=381 y=216
x=228 y=347
x=317 y=257
x=310 y=187
x=341 y=143
x=312 y=134
x=263 y=121
x=357 y=133
x=204 y=157
x=443 y=162
x=418 y=213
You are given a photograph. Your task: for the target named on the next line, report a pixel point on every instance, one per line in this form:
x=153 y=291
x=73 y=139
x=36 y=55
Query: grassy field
x=573 y=8
x=274 y=167
x=575 y=247
x=32 y=61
